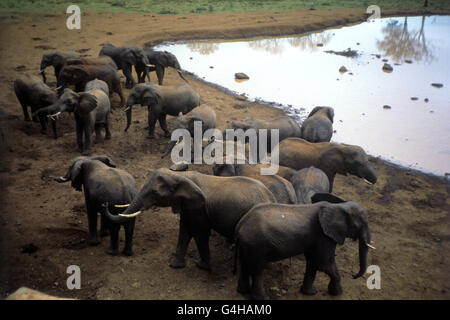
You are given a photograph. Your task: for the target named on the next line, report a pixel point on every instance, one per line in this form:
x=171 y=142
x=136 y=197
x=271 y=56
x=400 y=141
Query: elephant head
x=136 y=56
x=327 y=111
x=143 y=94
x=346 y=219
x=164 y=188
x=72 y=74
x=50 y=59
x=81 y=103
x=343 y=159
x=74 y=174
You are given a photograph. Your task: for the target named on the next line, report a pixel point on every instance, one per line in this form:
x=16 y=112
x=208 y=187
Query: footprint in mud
x=67 y=238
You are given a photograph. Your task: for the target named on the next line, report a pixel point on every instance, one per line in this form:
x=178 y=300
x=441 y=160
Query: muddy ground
x=408 y=211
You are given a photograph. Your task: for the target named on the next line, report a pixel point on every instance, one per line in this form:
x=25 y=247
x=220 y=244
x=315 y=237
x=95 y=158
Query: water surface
x=297 y=71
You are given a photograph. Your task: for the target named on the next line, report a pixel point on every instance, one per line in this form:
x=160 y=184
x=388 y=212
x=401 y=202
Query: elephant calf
x=102 y=183
x=92 y=112
x=272 y=232
x=318 y=127
x=308 y=182
x=31 y=91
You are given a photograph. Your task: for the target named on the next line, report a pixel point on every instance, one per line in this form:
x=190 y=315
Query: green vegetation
x=207 y=6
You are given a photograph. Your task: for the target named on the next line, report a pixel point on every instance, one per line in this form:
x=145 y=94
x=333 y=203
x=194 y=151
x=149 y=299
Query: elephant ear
x=329 y=197
x=313 y=111
x=333 y=222
x=333 y=159
x=75 y=174
x=86 y=103
x=56 y=59
x=330 y=113
x=106 y=160
x=150 y=98
x=130 y=57
x=190 y=195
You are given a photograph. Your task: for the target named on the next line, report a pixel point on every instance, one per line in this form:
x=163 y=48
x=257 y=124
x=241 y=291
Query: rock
x=211 y=67
x=385 y=60
x=408 y=61
x=387 y=107
x=414 y=98
x=343 y=69
x=240 y=106
x=20 y=68
x=437 y=85
x=426 y=100
x=387 y=67
x=320 y=44
x=241 y=97
x=241 y=76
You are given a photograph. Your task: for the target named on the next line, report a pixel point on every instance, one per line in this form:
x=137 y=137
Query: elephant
x=31 y=91
x=203 y=113
x=79 y=75
x=97 y=84
x=272 y=232
x=204 y=202
x=56 y=59
x=161 y=60
x=309 y=181
x=284 y=172
x=287 y=127
x=281 y=188
x=161 y=101
x=330 y=157
x=125 y=58
x=103 y=183
x=102 y=60
x=92 y=111
x=318 y=127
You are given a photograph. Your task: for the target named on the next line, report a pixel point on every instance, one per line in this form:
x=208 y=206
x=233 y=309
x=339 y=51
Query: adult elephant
x=125 y=58
x=102 y=60
x=32 y=92
x=103 y=183
x=204 y=202
x=161 y=60
x=272 y=232
x=79 y=75
x=330 y=157
x=161 y=101
x=56 y=59
x=92 y=112
x=318 y=127
x=309 y=181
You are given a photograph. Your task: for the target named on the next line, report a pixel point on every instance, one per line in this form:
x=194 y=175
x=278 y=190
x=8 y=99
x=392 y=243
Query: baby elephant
x=97 y=84
x=308 y=182
x=272 y=232
x=102 y=183
x=318 y=127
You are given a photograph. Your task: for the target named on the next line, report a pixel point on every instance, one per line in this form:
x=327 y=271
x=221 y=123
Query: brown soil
x=408 y=211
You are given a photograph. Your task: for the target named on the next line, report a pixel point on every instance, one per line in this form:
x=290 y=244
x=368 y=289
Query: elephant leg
x=43 y=121
x=202 y=241
x=114 y=239
x=308 y=280
x=104 y=226
x=129 y=230
x=79 y=130
x=160 y=74
x=129 y=83
x=244 y=277
x=87 y=140
x=55 y=134
x=98 y=133
x=92 y=222
x=26 y=116
x=334 y=287
x=163 y=124
x=184 y=237
x=107 y=127
x=258 y=292
x=151 y=124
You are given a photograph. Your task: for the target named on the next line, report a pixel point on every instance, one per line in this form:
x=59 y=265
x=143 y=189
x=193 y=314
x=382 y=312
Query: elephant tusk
x=150 y=65
x=130 y=215
x=53 y=116
x=126 y=109
x=57 y=88
x=367 y=181
x=41 y=71
x=122 y=205
x=370 y=246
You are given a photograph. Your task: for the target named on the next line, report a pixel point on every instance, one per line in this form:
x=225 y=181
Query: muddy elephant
x=318 y=127
x=103 y=183
x=92 y=112
x=79 y=75
x=272 y=232
x=125 y=58
x=284 y=172
x=161 y=60
x=286 y=126
x=102 y=60
x=281 y=188
x=97 y=84
x=32 y=92
x=56 y=59
x=309 y=181
x=330 y=157
x=203 y=114
x=204 y=202
x=161 y=101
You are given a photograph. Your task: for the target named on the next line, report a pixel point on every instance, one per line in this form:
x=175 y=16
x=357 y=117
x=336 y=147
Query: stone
x=387 y=107
x=414 y=98
x=387 y=67
x=343 y=69
x=437 y=85
x=241 y=76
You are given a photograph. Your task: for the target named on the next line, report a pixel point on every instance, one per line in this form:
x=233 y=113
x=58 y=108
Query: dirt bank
x=408 y=211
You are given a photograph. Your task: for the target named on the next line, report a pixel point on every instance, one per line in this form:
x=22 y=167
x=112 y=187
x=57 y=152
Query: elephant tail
x=236 y=252
x=180 y=73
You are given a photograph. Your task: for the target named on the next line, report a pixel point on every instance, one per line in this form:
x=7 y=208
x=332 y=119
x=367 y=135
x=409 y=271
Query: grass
x=206 y=6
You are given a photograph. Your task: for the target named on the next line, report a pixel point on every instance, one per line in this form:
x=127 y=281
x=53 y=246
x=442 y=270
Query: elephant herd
x=266 y=217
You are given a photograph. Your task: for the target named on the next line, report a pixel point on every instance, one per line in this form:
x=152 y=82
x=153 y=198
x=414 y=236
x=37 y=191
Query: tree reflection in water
x=399 y=43
x=203 y=47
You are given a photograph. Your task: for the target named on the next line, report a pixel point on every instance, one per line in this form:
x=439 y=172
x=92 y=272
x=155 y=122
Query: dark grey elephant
x=125 y=58
x=204 y=202
x=32 y=92
x=318 y=127
x=102 y=60
x=309 y=181
x=272 y=232
x=102 y=183
x=56 y=59
x=161 y=60
x=203 y=114
x=161 y=101
x=330 y=157
x=92 y=112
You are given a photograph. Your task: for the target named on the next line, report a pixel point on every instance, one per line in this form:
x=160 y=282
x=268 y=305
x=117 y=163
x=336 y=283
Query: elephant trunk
x=131 y=211
x=369 y=175
x=169 y=149
x=128 y=117
x=181 y=75
x=51 y=109
x=364 y=240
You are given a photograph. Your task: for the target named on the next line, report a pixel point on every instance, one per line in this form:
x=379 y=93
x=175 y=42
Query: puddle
x=297 y=72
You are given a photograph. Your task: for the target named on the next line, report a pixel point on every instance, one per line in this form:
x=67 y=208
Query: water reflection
x=269 y=45
x=204 y=48
x=311 y=42
x=401 y=43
